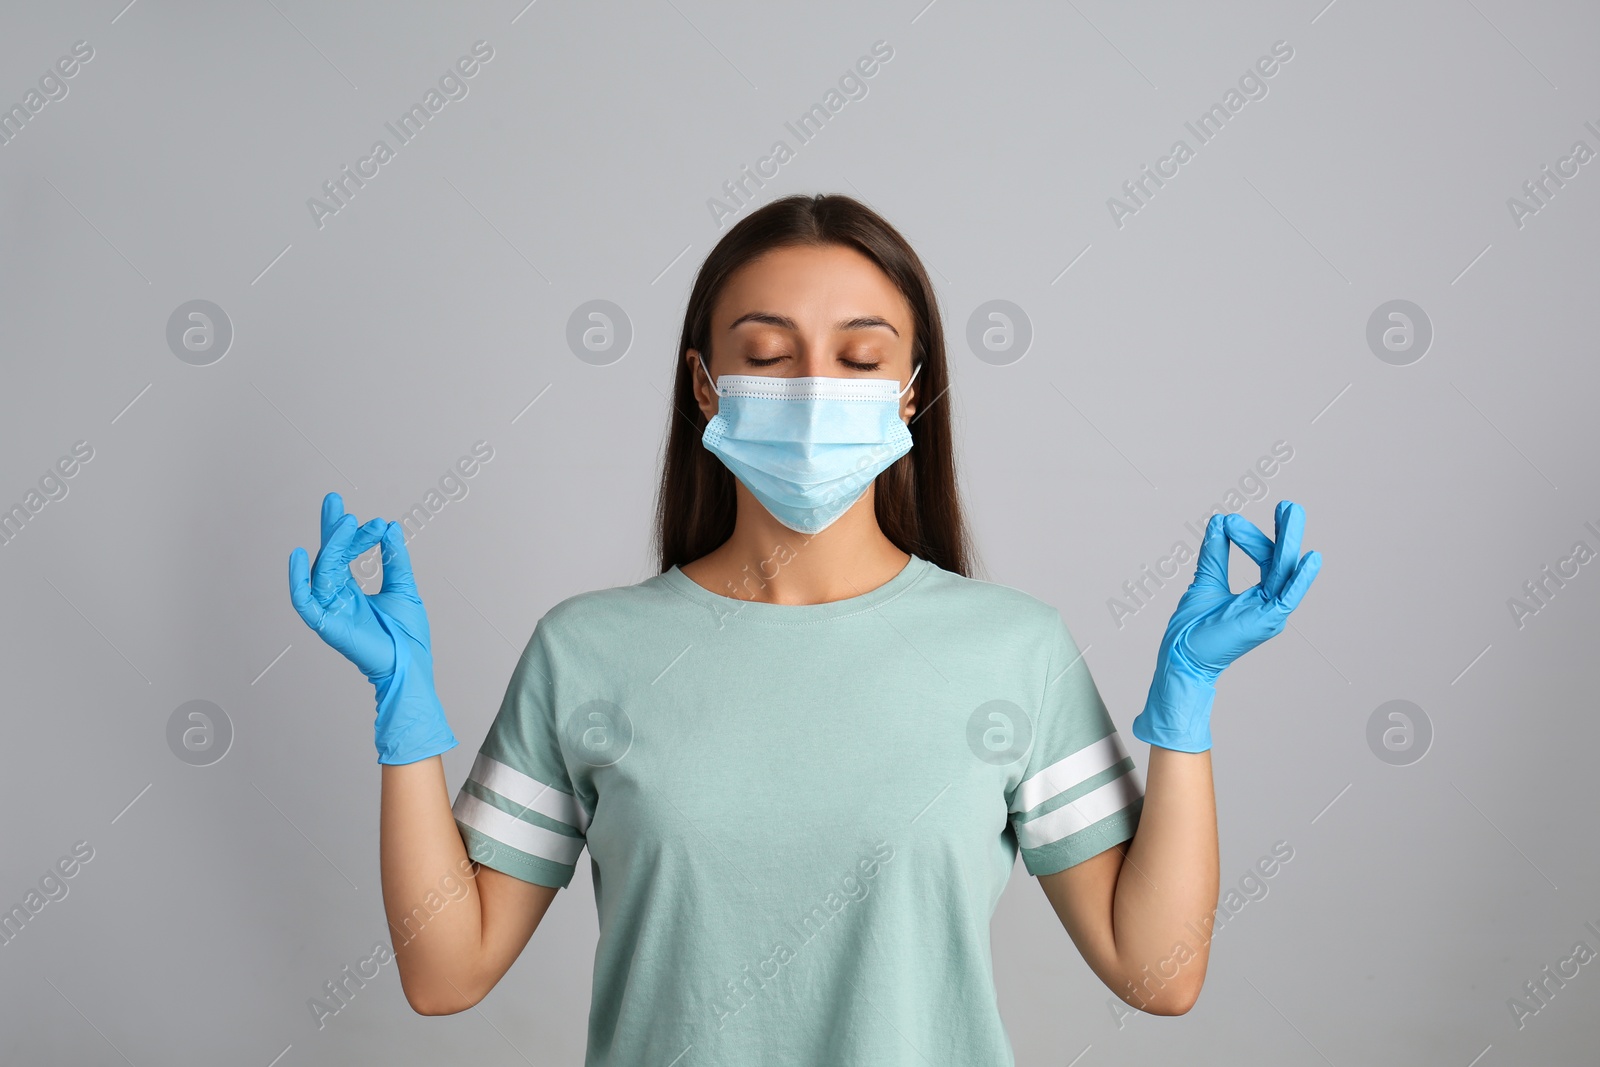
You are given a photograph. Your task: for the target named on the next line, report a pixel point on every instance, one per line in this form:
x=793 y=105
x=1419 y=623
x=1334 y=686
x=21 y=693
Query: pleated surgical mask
x=807 y=448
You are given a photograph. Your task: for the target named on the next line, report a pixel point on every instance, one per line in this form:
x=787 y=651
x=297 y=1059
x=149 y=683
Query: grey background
x=369 y=354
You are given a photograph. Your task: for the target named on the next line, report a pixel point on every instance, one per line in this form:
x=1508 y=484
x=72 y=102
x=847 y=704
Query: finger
x=1290 y=520
x=1245 y=534
x=1310 y=564
x=1211 y=569
x=397 y=575
x=300 y=589
x=330 y=574
x=368 y=535
x=332 y=568
x=332 y=512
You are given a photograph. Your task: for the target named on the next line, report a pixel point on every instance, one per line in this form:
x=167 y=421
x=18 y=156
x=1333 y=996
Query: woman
x=804 y=756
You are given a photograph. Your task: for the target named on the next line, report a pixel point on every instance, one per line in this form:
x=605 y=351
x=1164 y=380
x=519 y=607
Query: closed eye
x=851 y=363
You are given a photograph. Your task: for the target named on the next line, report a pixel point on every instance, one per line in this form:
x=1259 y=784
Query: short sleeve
x=1080 y=792
x=516 y=810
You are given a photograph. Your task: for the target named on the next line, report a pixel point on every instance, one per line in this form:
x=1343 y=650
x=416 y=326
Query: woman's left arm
x=1142 y=912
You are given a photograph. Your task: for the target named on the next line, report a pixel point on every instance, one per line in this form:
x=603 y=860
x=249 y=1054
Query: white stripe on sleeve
x=1079 y=814
x=530 y=794
x=1069 y=773
x=509 y=830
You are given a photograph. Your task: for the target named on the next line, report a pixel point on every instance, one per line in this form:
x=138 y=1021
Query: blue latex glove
x=386 y=635
x=1213 y=626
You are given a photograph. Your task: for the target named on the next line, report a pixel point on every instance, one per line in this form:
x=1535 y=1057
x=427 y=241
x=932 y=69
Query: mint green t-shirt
x=800 y=818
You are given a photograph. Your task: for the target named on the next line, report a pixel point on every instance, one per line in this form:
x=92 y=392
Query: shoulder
x=992 y=605
x=598 y=614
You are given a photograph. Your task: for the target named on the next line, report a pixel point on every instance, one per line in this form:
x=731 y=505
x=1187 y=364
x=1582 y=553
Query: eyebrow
x=860 y=322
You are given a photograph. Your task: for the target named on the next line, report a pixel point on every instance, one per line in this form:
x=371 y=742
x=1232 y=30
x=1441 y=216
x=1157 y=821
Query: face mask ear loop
x=712 y=381
x=909 y=380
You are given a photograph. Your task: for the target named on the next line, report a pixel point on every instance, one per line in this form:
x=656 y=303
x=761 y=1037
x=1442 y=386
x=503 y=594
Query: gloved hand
x=386 y=635
x=1213 y=626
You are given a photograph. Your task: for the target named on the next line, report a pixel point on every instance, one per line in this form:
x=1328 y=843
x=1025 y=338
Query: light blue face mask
x=807 y=448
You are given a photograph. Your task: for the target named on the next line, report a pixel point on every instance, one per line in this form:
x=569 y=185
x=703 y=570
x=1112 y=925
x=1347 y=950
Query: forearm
x=1166 y=895
x=429 y=893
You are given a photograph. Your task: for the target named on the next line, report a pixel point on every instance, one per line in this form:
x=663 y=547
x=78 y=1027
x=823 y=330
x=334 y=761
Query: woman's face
x=808 y=311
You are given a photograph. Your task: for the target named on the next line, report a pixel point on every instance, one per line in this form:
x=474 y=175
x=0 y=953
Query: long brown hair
x=917 y=504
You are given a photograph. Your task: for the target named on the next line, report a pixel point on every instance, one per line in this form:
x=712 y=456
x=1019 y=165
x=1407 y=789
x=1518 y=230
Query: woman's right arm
x=457 y=926
x=448 y=960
